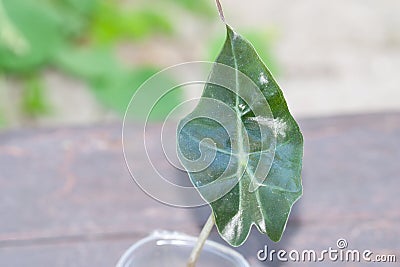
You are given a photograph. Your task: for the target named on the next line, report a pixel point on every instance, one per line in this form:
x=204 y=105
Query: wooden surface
x=66 y=198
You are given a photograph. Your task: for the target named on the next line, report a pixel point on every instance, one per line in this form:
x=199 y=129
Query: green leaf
x=84 y=7
x=116 y=91
x=75 y=15
x=112 y=23
x=113 y=84
x=38 y=26
x=250 y=172
x=263 y=41
x=201 y=7
x=89 y=63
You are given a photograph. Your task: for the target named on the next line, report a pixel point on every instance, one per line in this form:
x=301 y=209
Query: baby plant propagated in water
x=241 y=147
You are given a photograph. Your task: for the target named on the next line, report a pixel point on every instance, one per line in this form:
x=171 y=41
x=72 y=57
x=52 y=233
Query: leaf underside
x=269 y=205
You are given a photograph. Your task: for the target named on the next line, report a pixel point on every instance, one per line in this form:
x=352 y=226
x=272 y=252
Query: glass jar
x=166 y=249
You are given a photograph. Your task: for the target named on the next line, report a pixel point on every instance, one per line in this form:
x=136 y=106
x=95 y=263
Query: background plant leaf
x=201 y=7
x=29 y=18
x=34 y=102
x=111 y=23
x=113 y=84
x=267 y=207
x=75 y=15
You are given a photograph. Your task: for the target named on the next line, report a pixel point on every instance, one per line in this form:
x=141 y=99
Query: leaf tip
x=232 y=34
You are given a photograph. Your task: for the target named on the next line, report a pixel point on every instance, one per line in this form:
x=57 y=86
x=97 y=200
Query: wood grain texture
x=66 y=198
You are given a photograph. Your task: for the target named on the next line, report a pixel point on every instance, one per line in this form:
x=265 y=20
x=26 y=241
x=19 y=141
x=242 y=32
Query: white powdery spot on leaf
x=263 y=79
x=234 y=226
x=280 y=127
x=261 y=224
x=278 y=124
x=235 y=36
x=242 y=107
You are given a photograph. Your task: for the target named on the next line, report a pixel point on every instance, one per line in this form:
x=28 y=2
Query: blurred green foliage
x=110 y=23
x=30 y=35
x=34 y=101
x=79 y=38
x=2 y=119
x=101 y=70
x=198 y=6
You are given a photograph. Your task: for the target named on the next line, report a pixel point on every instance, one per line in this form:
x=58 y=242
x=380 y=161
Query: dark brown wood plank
x=66 y=198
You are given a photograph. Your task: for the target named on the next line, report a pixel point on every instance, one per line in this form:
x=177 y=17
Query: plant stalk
x=220 y=11
x=205 y=232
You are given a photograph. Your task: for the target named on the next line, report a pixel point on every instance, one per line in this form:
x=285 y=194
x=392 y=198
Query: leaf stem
x=205 y=232
x=220 y=11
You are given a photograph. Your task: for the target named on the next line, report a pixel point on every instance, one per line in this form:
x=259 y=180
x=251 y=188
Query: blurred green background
x=91 y=41
x=69 y=62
